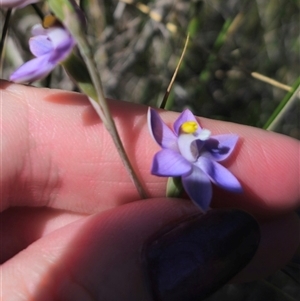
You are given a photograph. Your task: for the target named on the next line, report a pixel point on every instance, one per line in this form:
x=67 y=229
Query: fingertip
x=280 y=239
x=101 y=256
x=94 y=257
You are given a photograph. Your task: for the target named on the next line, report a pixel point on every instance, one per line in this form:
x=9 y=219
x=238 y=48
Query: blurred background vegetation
x=137 y=46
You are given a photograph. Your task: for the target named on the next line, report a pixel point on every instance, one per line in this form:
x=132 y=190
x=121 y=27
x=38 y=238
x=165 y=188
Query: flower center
x=189 y=127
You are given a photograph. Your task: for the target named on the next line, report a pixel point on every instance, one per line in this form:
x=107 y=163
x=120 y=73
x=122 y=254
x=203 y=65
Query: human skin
x=68 y=205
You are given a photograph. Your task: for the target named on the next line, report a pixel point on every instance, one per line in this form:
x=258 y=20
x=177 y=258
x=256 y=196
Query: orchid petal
x=219 y=175
x=40 y=45
x=185 y=116
x=220 y=147
x=50 y=46
x=188 y=146
x=16 y=3
x=194 y=158
x=160 y=131
x=198 y=187
x=60 y=37
x=60 y=54
x=33 y=70
x=38 y=30
x=62 y=43
x=203 y=135
x=169 y=163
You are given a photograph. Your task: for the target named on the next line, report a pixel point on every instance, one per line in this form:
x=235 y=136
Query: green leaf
x=59 y=7
x=77 y=70
x=65 y=11
x=284 y=105
x=174 y=187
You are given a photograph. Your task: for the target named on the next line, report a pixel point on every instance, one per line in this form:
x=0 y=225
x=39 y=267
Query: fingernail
x=200 y=254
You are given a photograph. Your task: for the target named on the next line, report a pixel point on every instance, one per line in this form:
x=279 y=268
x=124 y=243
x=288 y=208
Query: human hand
x=73 y=227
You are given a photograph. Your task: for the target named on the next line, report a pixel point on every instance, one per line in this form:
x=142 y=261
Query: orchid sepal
x=194 y=155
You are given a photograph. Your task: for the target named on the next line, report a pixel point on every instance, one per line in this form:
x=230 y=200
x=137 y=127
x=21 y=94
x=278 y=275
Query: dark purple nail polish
x=200 y=254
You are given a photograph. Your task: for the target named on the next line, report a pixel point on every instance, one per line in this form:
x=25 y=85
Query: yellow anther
x=189 y=127
x=49 y=21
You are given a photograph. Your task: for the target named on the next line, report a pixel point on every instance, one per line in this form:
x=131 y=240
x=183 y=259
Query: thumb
x=147 y=250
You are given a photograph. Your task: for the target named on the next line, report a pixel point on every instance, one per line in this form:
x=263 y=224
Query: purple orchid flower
x=16 y=3
x=192 y=153
x=50 y=46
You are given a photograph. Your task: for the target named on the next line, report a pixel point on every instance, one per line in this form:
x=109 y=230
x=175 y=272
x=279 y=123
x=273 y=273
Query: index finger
x=64 y=158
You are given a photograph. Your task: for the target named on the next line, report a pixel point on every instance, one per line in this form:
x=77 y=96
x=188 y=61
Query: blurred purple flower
x=50 y=46
x=190 y=152
x=16 y=3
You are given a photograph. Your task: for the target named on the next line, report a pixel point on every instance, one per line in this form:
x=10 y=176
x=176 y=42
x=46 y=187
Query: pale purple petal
x=59 y=37
x=62 y=42
x=198 y=187
x=160 y=132
x=188 y=147
x=220 y=147
x=15 y=3
x=51 y=46
x=60 y=54
x=38 y=30
x=219 y=175
x=40 y=45
x=185 y=116
x=33 y=70
x=169 y=163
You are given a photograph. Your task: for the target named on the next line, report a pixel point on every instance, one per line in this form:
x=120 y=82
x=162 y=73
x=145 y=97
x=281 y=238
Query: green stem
x=4 y=33
x=92 y=84
x=105 y=112
x=283 y=107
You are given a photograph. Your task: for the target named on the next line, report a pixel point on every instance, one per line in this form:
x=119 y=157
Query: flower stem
x=105 y=115
x=93 y=89
x=4 y=33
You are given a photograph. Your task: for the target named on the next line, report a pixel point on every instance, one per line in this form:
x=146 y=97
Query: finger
x=103 y=256
x=21 y=226
x=66 y=160
x=275 y=249
x=266 y=163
